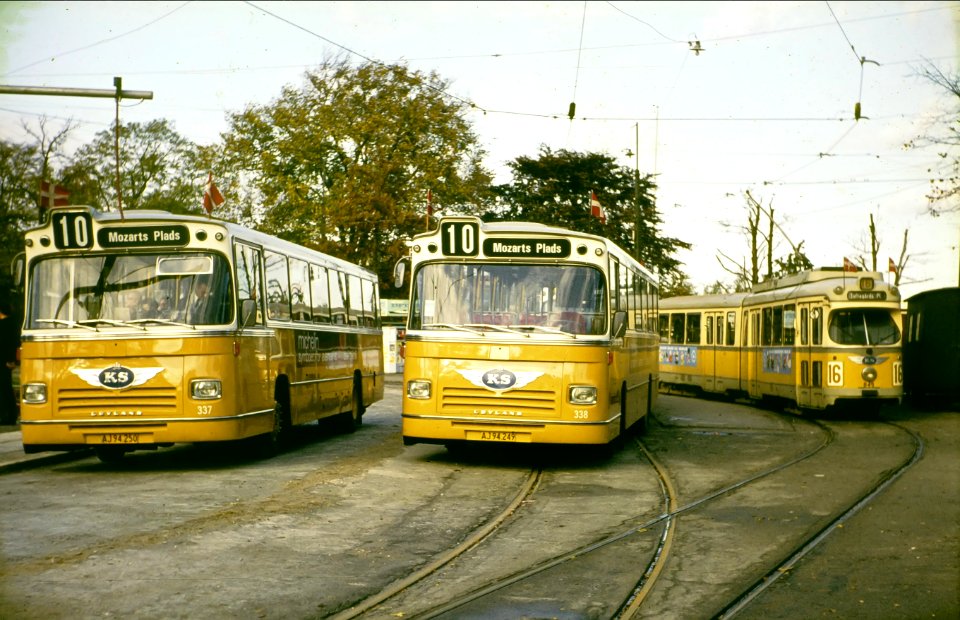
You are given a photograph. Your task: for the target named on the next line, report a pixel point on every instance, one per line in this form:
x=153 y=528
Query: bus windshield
x=130 y=290
x=863 y=327
x=511 y=297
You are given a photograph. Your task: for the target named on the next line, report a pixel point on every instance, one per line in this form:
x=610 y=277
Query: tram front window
x=863 y=327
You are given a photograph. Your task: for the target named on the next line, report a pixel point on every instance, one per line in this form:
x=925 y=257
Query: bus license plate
x=495 y=436
x=118 y=438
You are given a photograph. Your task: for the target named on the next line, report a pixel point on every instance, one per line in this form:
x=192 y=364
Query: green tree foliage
x=555 y=189
x=343 y=163
x=159 y=169
x=675 y=284
x=19 y=183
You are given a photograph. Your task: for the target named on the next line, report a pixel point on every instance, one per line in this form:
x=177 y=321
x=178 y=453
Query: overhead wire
x=101 y=41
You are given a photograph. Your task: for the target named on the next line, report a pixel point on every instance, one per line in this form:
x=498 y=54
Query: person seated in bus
x=197 y=307
x=131 y=306
x=148 y=309
x=165 y=309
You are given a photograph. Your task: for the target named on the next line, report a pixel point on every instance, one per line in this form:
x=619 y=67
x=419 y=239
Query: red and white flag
x=595 y=209
x=53 y=195
x=211 y=195
x=891 y=266
x=848 y=264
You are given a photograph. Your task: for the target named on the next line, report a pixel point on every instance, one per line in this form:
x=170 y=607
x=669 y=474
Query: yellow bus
x=815 y=339
x=520 y=332
x=151 y=329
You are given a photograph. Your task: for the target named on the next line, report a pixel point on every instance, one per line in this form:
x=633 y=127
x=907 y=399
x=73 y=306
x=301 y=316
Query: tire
x=272 y=443
x=350 y=421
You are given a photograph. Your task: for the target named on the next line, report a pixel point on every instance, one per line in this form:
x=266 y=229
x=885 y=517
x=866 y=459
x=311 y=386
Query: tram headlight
x=869 y=374
x=419 y=389
x=34 y=393
x=205 y=389
x=583 y=395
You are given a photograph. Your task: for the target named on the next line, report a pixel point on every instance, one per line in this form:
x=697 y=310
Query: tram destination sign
x=519 y=247
x=163 y=235
x=867 y=295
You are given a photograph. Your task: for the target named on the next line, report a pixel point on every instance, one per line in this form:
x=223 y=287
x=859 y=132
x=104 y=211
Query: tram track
x=663 y=525
x=528 y=486
x=815 y=541
x=495 y=593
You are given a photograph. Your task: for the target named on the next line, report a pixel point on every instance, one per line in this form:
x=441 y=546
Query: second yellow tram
x=815 y=339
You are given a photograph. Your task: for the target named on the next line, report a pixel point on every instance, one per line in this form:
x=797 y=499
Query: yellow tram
x=526 y=333
x=815 y=339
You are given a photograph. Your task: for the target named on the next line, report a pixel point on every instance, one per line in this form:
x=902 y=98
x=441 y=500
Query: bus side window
x=248 y=281
x=338 y=296
x=354 y=300
x=300 y=290
x=371 y=308
x=278 y=287
x=709 y=329
x=320 y=293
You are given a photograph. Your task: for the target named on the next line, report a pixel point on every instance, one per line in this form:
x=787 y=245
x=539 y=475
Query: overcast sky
x=765 y=105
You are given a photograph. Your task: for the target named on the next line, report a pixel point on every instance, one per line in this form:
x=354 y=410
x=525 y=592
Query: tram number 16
x=834 y=374
x=459 y=238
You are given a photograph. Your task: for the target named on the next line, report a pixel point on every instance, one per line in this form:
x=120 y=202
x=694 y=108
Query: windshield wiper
x=110 y=322
x=544 y=329
x=162 y=322
x=66 y=323
x=462 y=328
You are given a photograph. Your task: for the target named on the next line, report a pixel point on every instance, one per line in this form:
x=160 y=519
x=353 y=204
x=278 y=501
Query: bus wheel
x=270 y=443
x=110 y=454
x=350 y=421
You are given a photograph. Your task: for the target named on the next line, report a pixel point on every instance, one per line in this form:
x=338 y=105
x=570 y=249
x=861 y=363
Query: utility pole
x=636 y=192
x=117 y=94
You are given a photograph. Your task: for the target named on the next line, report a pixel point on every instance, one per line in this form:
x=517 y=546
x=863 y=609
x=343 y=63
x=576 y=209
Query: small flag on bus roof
x=848 y=264
x=211 y=195
x=891 y=266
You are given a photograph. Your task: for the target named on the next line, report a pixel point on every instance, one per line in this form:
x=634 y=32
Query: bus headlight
x=34 y=393
x=205 y=389
x=583 y=395
x=869 y=374
x=419 y=389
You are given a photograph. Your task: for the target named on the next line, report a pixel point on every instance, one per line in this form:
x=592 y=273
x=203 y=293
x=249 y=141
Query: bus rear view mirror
x=619 y=324
x=248 y=312
x=17 y=271
x=399 y=272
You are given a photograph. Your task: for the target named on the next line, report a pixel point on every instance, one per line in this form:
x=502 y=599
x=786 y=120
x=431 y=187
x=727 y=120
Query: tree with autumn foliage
x=343 y=163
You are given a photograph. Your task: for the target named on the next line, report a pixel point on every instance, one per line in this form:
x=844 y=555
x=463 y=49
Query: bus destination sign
x=514 y=247
x=165 y=235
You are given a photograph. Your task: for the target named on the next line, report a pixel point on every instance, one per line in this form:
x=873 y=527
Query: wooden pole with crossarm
x=117 y=93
